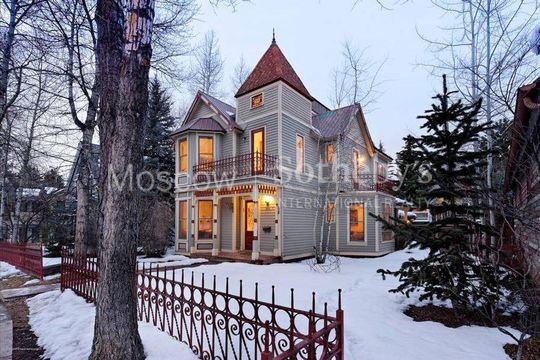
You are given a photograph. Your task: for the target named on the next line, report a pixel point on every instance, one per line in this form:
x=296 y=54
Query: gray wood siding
x=267 y=219
x=226 y=223
x=296 y=105
x=291 y=128
x=353 y=140
x=270 y=104
x=270 y=123
x=202 y=111
x=300 y=229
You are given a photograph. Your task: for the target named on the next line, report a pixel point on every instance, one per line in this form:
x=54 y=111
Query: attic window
x=257 y=100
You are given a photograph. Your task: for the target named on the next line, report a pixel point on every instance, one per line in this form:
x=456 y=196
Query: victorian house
x=279 y=174
x=522 y=181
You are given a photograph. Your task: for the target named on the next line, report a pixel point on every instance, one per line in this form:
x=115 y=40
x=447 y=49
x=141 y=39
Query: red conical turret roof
x=273 y=67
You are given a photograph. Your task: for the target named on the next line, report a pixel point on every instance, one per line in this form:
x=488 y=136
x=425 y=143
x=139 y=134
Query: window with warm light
x=356 y=223
x=205 y=215
x=329 y=153
x=387 y=214
x=257 y=148
x=381 y=171
x=257 y=100
x=330 y=212
x=206 y=149
x=300 y=152
x=182 y=218
x=182 y=155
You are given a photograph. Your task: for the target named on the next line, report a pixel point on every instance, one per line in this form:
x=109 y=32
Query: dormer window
x=257 y=100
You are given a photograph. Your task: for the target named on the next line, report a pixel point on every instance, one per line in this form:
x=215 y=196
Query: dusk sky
x=311 y=35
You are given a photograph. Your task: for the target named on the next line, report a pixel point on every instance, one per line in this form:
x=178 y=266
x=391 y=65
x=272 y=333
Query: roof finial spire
x=273 y=35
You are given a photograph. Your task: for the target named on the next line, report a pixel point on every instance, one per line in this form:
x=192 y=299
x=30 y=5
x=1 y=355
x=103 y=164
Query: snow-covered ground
x=7 y=270
x=170 y=260
x=46 y=278
x=64 y=325
x=49 y=261
x=375 y=326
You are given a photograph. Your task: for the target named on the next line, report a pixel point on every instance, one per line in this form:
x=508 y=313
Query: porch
x=244 y=256
x=239 y=223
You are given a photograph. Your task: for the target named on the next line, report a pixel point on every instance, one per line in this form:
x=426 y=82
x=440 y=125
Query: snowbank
x=64 y=325
x=171 y=260
x=49 y=261
x=375 y=326
x=7 y=270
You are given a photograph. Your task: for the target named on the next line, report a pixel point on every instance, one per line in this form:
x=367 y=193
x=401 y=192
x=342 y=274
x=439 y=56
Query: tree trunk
x=6 y=58
x=5 y=157
x=86 y=219
x=123 y=57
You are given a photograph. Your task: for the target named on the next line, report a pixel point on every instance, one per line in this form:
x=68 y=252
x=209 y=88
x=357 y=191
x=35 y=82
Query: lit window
x=257 y=148
x=381 y=171
x=330 y=212
x=329 y=153
x=205 y=216
x=206 y=149
x=257 y=100
x=387 y=213
x=182 y=217
x=356 y=222
x=182 y=155
x=299 y=153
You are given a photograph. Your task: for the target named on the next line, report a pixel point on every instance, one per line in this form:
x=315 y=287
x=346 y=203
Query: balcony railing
x=370 y=182
x=252 y=164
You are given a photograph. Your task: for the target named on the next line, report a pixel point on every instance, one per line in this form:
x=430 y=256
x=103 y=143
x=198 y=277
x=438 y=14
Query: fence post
x=266 y=354
x=340 y=330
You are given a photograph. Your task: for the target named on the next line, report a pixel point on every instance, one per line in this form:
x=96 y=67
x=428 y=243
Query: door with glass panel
x=257 y=151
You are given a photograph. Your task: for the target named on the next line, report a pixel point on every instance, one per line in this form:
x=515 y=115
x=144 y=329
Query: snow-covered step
x=27 y=291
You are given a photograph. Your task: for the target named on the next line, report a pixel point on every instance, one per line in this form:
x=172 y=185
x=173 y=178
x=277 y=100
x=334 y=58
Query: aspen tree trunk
x=5 y=156
x=123 y=57
x=6 y=58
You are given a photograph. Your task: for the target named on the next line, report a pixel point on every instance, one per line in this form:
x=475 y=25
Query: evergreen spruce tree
x=158 y=146
x=409 y=165
x=453 y=269
x=157 y=218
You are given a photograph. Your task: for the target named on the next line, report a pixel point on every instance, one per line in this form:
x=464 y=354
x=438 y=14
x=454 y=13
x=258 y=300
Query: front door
x=257 y=151
x=250 y=224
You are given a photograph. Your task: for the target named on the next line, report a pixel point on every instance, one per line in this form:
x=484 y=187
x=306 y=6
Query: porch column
x=216 y=245
x=277 y=209
x=256 y=245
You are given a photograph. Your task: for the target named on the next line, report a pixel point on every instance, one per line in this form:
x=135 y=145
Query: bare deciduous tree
x=355 y=80
x=124 y=52
x=240 y=74
x=207 y=70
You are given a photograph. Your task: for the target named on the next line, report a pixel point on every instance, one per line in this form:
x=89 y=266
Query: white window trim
x=326 y=153
x=357 y=243
x=251 y=135
x=303 y=171
x=197 y=240
x=197 y=146
x=382 y=226
x=251 y=100
x=186 y=200
x=187 y=156
x=334 y=213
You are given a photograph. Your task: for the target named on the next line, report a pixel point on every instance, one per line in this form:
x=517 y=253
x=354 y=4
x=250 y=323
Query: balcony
x=252 y=164
x=371 y=182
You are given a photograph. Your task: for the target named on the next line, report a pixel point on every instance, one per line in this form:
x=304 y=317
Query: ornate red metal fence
x=79 y=274
x=251 y=164
x=219 y=323
x=27 y=257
